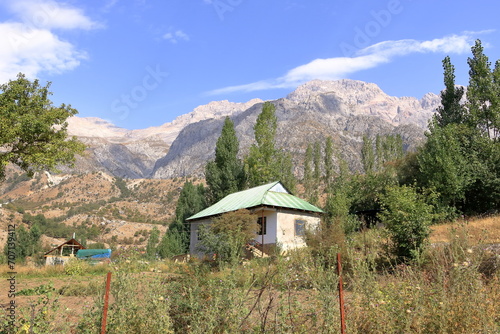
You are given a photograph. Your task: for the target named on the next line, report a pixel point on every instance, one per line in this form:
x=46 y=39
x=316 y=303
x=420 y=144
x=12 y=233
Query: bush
x=407 y=218
x=228 y=234
x=76 y=267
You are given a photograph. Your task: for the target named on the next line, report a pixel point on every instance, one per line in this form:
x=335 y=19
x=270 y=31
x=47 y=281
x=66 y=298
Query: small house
x=282 y=217
x=63 y=253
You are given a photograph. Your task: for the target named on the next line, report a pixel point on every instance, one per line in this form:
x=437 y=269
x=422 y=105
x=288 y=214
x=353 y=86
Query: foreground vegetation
x=451 y=288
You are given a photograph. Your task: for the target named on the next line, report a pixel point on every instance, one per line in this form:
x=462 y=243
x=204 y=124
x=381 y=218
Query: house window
x=262 y=222
x=300 y=227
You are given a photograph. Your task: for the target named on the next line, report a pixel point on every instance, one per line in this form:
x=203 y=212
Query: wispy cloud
x=49 y=14
x=369 y=57
x=29 y=44
x=175 y=37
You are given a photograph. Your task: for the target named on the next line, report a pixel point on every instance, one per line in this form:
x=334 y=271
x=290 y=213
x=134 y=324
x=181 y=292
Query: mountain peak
x=347 y=89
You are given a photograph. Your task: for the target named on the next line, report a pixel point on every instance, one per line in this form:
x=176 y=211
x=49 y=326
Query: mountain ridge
x=342 y=109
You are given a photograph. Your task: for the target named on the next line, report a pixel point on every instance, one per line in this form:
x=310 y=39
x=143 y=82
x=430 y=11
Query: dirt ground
x=71 y=308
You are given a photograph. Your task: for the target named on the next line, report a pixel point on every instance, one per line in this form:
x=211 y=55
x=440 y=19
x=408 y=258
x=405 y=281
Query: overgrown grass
x=450 y=288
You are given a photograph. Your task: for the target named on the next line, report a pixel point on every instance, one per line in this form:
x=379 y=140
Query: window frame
x=299 y=227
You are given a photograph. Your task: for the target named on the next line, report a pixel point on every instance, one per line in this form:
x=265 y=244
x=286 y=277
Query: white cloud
x=49 y=14
x=175 y=37
x=29 y=45
x=32 y=51
x=369 y=57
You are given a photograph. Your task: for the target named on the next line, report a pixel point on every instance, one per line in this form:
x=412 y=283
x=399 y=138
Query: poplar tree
x=308 y=171
x=451 y=110
x=224 y=175
x=265 y=163
x=317 y=161
x=367 y=155
x=482 y=92
x=329 y=161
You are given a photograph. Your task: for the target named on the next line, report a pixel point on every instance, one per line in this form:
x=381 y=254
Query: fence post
x=341 y=295
x=106 y=300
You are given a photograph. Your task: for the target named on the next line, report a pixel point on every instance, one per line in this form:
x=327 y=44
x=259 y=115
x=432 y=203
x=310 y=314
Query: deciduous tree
x=265 y=163
x=33 y=132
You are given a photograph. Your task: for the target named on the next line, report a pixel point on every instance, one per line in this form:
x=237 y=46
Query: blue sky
x=140 y=63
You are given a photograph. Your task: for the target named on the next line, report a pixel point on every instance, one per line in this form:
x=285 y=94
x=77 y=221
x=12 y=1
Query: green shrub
x=76 y=267
x=407 y=218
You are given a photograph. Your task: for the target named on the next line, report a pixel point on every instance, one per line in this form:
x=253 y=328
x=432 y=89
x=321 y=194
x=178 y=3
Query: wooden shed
x=63 y=253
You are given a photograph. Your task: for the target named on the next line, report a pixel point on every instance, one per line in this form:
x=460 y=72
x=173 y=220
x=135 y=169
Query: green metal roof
x=271 y=194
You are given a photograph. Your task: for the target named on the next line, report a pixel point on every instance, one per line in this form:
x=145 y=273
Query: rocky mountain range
x=344 y=109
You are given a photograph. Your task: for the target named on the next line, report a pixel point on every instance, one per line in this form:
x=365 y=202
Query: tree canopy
x=266 y=163
x=224 y=175
x=460 y=158
x=33 y=132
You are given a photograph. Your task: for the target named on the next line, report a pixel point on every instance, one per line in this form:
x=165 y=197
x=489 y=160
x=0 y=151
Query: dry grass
x=479 y=230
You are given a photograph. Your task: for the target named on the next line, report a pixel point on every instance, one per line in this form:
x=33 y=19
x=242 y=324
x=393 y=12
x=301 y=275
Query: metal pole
x=106 y=299
x=341 y=295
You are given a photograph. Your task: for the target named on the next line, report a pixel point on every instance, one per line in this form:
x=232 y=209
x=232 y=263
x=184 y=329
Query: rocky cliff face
x=133 y=153
x=345 y=110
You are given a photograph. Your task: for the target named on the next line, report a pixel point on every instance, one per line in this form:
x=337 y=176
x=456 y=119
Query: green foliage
x=39 y=290
x=122 y=186
x=228 y=234
x=96 y=245
x=368 y=155
x=329 y=167
x=407 y=217
x=53 y=227
x=33 y=133
x=460 y=158
x=173 y=243
x=224 y=175
x=153 y=240
x=191 y=201
x=483 y=93
x=317 y=161
x=265 y=163
x=76 y=267
x=451 y=110
x=27 y=242
x=146 y=312
x=92 y=288
x=308 y=180
x=445 y=163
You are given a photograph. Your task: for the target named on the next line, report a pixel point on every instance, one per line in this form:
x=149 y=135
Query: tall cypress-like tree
x=329 y=161
x=367 y=155
x=225 y=174
x=451 y=110
x=308 y=170
x=265 y=163
x=482 y=95
x=317 y=161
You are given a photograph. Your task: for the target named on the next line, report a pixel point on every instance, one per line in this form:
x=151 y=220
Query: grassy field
x=453 y=288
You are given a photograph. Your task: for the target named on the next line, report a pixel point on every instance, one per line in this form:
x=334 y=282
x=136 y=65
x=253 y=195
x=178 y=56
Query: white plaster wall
x=271 y=229
x=55 y=259
x=286 y=237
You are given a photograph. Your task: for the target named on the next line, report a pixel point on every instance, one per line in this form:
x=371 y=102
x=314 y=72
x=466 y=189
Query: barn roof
x=70 y=243
x=270 y=195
